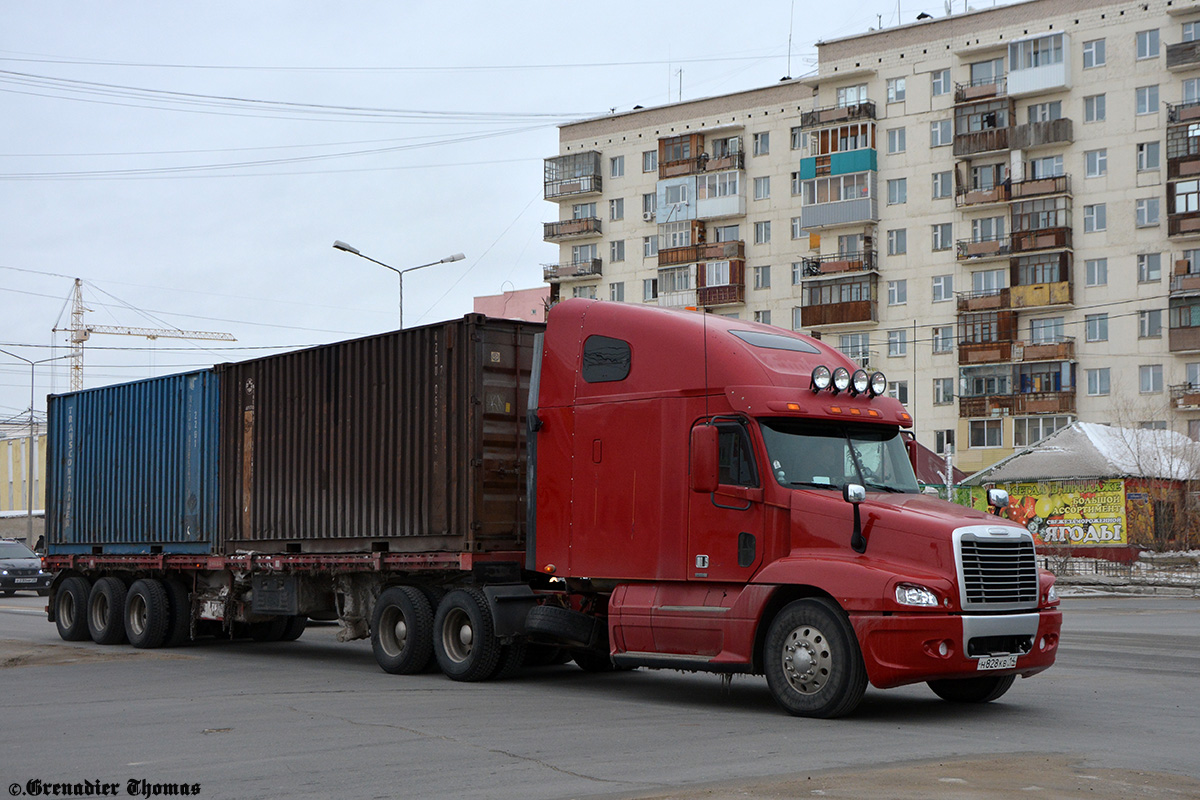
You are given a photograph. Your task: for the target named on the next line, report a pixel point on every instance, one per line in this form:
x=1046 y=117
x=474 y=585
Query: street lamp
x=32 y=441
x=340 y=245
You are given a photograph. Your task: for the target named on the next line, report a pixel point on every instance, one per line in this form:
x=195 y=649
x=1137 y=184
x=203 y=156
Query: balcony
x=984 y=249
x=982 y=197
x=683 y=299
x=1029 y=81
x=837 y=263
x=1187 y=164
x=1062 y=350
x=1040 y=187
x=571 y=176
x=1184 y=226
x=987 y=300
x=1183 y=340
x=832 y=114
x=1183 y=56
x=850 y=311
x=1023 y=403
x=1041 y=295
x=984 y=352
x=982 y=90
x=1184 y=283
x=571 y=229
x=985 y=141
x=999 y=352
x=841 y=212
x=571 y=270
x=1183 y=112
x=727 y=295
x=1185 y=397
x=714 y=251
x=1040 y=134
x=1041 y=239
x=702 y=163
x=862 y=160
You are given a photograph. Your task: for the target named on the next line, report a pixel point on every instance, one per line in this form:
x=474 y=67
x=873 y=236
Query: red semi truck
x=700 y=493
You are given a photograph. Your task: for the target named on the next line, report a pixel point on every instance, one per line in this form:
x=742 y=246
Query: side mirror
x=854 y=493
x=705 y=469
x=997 y=499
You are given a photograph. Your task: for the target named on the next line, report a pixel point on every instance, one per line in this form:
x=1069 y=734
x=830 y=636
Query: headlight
x=908 y=594
x=1052 y=594
x=820 y=378
x=841 y=379
x=3 y=572
x=859 y=381
x=878 y=384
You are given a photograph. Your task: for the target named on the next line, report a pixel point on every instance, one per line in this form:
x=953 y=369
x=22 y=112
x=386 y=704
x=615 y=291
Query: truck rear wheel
x=463 y=636
x=402 y=630
x=512 y=658
x=812 y=660
x=179 y=601
x=147 y=613
x=295 y=627
x=70 y=609
x=972 y=690
x=106 y=611
x=271 y=630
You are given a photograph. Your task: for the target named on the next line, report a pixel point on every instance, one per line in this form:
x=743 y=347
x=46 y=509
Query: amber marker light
x=793 y=406
x=549 y=569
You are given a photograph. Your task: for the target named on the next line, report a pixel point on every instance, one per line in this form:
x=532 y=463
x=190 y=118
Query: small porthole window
x=605 y=359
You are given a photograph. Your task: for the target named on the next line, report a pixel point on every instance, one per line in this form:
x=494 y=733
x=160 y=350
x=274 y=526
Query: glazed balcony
x=833 y=114
x=1042 y=295
x=1004 y=352
x=1183 y=340
x=1023 y=403
x=1183 y=112
x=837 y=263
x=568 y=229
x=984 y=249
x=702 y=163
x=571 y=176
x=1184 y=283
x=1041 y=239
x=1186 y=165
x=730 y=288
x=985 y=141
x=983 y=197
x=984 y=352
x=571 y=270
x=987 y=300
x=1183 y=56
x=851 y=311
x=1061 y=350
x=1184 y=226
x=983 y=89
x=1040 y=187
x=713 y=251
x=1185 y=397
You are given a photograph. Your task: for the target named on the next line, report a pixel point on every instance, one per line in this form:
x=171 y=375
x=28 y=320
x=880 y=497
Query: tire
x=562 y=624
x=268 y=631
x=147 y=614
x=402 y=630
x=594 y=661
x=106 y=611
x=179 y=601
x=972 y=690
x=512 y=658
x=463 y=636
x=811 y=657
x=8 y=592
x=70 y=609
x=295 y=627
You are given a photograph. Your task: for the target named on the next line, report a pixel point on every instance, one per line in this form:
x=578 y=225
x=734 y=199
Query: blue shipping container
x=133 y=468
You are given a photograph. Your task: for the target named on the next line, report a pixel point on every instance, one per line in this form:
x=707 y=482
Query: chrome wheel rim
x=458 y=635
x=393 y=631
x=806 y=659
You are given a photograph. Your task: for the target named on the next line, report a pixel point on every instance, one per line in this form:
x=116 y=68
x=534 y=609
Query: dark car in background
x=21 y=569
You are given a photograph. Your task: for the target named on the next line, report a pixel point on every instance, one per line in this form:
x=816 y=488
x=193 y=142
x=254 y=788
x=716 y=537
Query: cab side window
x=736 y=457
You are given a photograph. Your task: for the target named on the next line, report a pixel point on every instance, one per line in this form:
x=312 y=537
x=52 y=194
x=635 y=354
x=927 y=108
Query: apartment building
x=1000 y=210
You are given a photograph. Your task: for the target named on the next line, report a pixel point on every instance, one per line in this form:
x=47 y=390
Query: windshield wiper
x=815 y=484
x=882 y=487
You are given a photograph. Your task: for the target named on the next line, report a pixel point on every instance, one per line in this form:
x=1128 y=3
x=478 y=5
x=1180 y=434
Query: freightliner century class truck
x=624 y=487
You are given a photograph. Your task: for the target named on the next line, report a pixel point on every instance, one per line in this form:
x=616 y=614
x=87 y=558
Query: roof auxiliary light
x=859 y=382
x=878 y=384
x=841 y=380
x=820 y=378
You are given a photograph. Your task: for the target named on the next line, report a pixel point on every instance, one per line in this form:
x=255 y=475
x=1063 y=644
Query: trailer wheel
x=147 y=614
x=512 y=658
x=972 y=690
x=562 y=624
x=402 y=630
x=464 y=640
x=70 y=609
x=179 y=601
x=295 y=627
x=812 y=660
x=106 y=611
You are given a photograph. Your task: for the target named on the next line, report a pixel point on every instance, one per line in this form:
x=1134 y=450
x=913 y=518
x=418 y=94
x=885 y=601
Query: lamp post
x=340 y=245
x=32 y=441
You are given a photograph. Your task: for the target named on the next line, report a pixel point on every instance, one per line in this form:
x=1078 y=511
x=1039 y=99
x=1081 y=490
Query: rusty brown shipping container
x=411 y=441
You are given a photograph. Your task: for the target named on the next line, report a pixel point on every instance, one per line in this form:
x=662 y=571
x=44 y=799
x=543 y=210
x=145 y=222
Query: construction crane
x=81 y=332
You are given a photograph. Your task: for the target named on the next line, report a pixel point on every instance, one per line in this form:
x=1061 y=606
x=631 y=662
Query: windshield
x=15 y=550
x=821 y=455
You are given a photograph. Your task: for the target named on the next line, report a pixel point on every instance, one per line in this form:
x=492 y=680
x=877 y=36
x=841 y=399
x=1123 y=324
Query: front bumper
x=913 y=648
x=28 y=583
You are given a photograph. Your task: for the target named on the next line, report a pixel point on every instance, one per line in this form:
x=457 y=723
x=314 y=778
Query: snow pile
x=1144 y=453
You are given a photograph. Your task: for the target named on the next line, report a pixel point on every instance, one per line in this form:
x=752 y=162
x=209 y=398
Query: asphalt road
x=1118 y=716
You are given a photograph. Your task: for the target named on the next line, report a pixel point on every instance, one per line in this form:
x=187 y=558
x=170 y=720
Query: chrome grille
x=998 y=574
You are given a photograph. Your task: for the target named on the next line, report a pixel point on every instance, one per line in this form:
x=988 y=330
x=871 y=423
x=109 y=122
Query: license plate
x=212 y=609
x=26 y=580
x=997 y=662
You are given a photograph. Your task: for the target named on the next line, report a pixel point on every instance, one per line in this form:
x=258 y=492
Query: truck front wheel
x=464 y=640
x=811 y=657
x=402 y=630
x=972 y=690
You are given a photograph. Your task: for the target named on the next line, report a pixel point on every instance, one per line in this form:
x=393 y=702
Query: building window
x=856 y=346
x=895 y=140
x=762 y=232
x=897 y=242
x=1147 y=212
x=1147 y=44
x=942 y=239
x=1045 y=112
x=797 y=183
x=1033 y=53
x=762 y=143
x=762 y=277
x=798 y=138
x=1095 y=218
x=943 y=440
x=1027 y=430
x=1150 y=378
x=1149 y=267
x=1044 y=167
x=1147 y=156
x=1150 y=324
x=1047 y=330
x=616 y=292
x=1096 y=163
x=897 y=189
x=940 y=82
x=943 y=288
x=586 y=292
x=581 y=253
x=675 y=195
x=797 y=272
x=1097 y=271
x=796 y=312
x=762 y=187
x=1191 y=31
x=650 y=289
x=941 y=133
x=762 y=317
x=1093 y=108
x=851 y=95
x=649 y=246
x=1093 y=53
x=943 y=184
x=616 y=208
x=943 y=391
x=1096 y=326
x=943 y=339
x=616 y=167
x=895 y=90
x=1191 y=90
x=991 y=281
x=797 y=231
x=1146 y=100
x=649 y=205
x=898 y=390
x=897 y=343
x=583 y=211
x=726 y=233
x=649 y=161
x=616 y=251
x=985 y=433
x=1187 y=197
x=1097 y=381
x=897 y=292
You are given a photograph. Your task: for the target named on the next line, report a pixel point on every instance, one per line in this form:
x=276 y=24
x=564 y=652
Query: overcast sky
x=194 y=162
